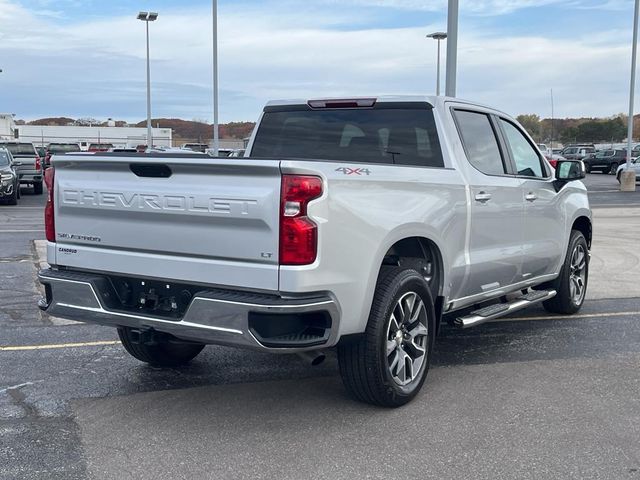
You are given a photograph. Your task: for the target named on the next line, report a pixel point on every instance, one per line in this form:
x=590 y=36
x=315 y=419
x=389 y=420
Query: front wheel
x=388 y=364
x=587 y=168
x=571 y=284
x=13 y=199
x=613 y=169
x=164 y=351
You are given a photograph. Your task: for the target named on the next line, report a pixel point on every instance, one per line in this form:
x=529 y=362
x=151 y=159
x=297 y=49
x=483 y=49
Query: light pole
x=452 y=48
x=148 y=17
x=216 y=137
x=439 y=36
x=628 y=176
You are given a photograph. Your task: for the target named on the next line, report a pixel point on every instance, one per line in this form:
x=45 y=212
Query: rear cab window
x=387 y=133
x=20 y=148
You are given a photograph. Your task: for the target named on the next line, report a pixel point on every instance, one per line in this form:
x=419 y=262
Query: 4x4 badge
x=353 y=171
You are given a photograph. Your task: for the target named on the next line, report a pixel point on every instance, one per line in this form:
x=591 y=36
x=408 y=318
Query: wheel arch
x=424 y=255
x=583 y=224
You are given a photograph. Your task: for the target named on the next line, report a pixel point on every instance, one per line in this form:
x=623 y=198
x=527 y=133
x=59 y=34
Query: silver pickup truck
x=351 y=223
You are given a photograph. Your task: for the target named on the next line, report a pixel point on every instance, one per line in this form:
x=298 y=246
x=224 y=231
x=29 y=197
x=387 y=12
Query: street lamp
x=148 y=17
x=438 y=36
x=216 y=138
x=628 y=176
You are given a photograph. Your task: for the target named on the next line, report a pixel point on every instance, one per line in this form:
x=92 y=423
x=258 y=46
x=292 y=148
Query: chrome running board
x=498 y=310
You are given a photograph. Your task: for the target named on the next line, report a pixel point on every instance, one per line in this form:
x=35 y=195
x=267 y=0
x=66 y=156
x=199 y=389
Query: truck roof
x=430 y=99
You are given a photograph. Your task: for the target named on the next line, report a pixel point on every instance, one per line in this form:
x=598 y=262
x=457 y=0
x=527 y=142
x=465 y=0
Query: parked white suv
x=353 y=223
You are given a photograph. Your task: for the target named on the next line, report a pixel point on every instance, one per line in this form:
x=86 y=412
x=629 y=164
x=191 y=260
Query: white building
x=6 y=126
x=118 y=136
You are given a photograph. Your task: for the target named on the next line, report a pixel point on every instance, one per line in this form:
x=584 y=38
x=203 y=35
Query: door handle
x=530 y=197
x=483 y=197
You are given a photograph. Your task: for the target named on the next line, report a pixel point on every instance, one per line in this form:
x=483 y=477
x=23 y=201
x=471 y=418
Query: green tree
x=531 y=123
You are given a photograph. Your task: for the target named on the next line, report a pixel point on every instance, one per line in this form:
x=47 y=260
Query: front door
x=544 y=214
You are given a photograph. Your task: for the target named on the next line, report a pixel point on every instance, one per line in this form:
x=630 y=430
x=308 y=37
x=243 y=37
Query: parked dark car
x=9 y=183
x=27 y=163
x=58 y=149
x=605 y=161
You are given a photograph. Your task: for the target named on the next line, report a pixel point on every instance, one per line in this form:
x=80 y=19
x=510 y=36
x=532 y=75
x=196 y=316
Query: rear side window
x=480 y=142
x=526 y=158
x=402 y=136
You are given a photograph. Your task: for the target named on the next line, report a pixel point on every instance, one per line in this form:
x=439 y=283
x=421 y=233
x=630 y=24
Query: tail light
x=298 y=233
x=49 y=220
x=38 y=164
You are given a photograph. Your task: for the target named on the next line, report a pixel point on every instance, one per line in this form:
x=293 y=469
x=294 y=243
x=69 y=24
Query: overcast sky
x=86 y=57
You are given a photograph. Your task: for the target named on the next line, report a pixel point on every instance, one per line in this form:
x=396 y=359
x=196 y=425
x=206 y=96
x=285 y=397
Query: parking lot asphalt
x=526 y=397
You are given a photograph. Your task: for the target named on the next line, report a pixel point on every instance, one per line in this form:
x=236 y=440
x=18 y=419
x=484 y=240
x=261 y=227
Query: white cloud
x=96 y=68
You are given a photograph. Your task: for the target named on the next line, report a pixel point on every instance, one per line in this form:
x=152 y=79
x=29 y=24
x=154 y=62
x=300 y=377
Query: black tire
x=161 y=354
x=37 y=188
x=18 y=190
x=587 y=168
x=618 y=177
x=565 y=302
x=364 y=363
x=13 y=199
x=613 y=169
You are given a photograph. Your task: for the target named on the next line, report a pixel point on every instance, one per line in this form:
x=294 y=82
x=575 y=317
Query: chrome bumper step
x=492 y=312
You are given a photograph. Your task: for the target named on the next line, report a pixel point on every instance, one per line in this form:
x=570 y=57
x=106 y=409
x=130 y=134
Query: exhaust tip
x=314 y=358
x=318 y=360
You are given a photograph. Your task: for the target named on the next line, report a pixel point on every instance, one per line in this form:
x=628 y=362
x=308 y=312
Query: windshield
x=56 y=148
x=20 y=148
x=405 y=136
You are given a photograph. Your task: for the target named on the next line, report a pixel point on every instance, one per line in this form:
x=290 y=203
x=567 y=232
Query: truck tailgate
x=213 y=221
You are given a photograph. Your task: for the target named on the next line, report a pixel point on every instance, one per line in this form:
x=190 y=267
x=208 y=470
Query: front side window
x=480 y=142
x=527 y=160
x=4 y=159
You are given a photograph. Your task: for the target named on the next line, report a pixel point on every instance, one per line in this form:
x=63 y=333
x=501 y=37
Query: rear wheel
x=37 y=188
x=613 y=169
x=571 y=284
x=587 y=168
x=388 y=364
x=164 y=351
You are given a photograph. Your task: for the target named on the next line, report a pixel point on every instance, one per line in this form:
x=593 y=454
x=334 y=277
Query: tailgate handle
x=151 y=170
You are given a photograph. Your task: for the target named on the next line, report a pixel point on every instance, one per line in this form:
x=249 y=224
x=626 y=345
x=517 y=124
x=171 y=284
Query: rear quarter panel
x=360 y=216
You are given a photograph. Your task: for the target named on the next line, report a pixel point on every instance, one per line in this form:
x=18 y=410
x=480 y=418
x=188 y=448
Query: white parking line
x=19 y=348
x=21 y=231
x=569 y=317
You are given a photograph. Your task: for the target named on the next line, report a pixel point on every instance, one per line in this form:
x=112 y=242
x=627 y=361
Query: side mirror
x=570 y=170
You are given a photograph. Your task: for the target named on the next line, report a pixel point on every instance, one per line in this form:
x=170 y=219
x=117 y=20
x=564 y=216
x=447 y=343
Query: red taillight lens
x=298 y=233
x=38 y=164
x=49 y=220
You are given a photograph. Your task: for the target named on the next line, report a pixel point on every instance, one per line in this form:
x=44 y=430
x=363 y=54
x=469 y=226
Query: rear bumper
x=213 y=316
x=29 y=176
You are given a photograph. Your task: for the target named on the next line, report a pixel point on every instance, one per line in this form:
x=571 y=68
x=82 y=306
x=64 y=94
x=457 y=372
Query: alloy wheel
x=578 y=274
x=407 y=339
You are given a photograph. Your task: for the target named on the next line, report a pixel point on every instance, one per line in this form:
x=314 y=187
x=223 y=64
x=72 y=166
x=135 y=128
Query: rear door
x=495 y=244
x=194 y=219
x=544 y=214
